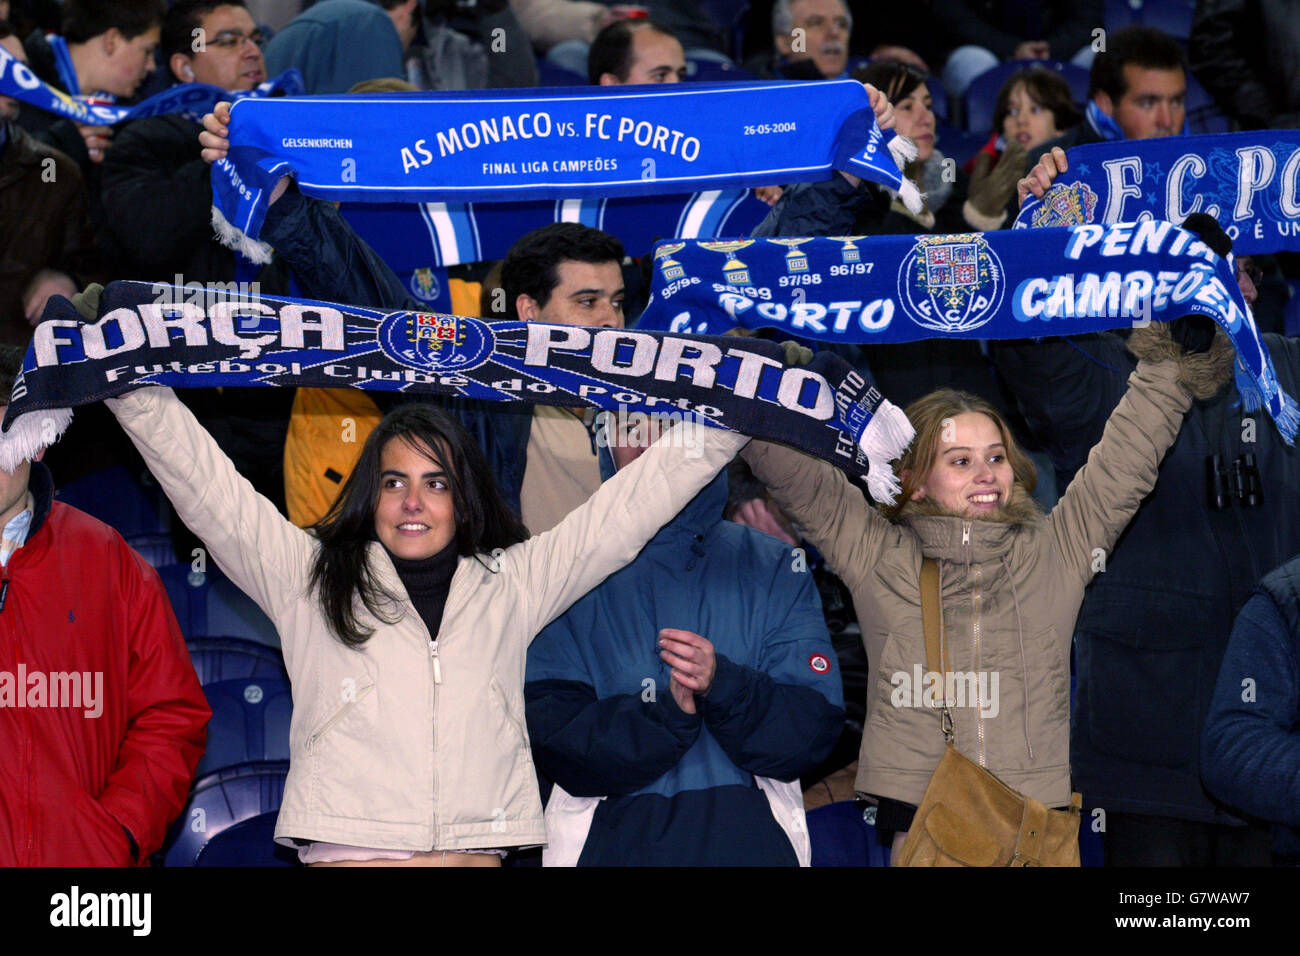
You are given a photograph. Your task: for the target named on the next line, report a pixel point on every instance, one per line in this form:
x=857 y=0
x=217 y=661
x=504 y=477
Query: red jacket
x=79 y=599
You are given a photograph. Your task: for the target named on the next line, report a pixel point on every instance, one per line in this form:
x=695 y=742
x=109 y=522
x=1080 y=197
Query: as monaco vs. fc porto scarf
x=151 y=335
x=1249 y=182
x=560 y=144
x=995 y=285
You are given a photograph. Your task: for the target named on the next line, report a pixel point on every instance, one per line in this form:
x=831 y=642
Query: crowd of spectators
x=1151 y=739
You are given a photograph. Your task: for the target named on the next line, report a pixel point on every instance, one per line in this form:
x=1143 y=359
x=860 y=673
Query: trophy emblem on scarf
x=795 y=261
x=951 y=283
x=669 y=267
x=735 y=271
x=1066 y=204
x=849 y=252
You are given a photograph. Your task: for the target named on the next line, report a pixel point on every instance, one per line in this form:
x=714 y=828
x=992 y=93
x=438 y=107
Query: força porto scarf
x=1249 y=182
x=997 y=285
x=192 y=100
x=150 y=335
x=561 y=144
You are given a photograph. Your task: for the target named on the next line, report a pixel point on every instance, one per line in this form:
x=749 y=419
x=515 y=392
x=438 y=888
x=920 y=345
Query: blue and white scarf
x=189 y=99
x=152 y=335
x=1249 y=182
x=559 y=144
x=997 y=285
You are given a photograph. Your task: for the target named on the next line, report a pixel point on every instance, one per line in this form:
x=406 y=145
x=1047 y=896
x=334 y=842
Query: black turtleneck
x=427 y=582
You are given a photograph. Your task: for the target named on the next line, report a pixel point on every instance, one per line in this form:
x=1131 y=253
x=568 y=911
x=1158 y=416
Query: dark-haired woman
x=405 y=618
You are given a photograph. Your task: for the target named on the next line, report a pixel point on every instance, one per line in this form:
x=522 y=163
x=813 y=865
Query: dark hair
x=1047 y=88
x=530 y=265
x=184 y=17
x=5 y=29
x=894 y=78
x=11 y=356
x=611 y=51
x=1145 y=47
x=483 y=521
x=83 y=20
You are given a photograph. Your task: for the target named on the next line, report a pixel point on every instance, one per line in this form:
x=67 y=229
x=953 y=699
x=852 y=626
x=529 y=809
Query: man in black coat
x=1247 y=54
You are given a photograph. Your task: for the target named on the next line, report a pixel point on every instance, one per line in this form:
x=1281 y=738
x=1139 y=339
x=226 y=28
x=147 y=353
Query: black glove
x=1195 y=333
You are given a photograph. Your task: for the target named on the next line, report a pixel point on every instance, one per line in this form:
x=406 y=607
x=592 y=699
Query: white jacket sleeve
x=604 y=534
x=265 y=555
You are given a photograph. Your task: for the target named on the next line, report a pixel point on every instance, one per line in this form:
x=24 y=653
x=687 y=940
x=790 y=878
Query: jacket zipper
x=977 y=600
x=436 y=666
x=329 y=724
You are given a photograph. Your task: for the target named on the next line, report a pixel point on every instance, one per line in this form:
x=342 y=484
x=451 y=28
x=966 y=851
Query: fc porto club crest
x=1065 y=204
x=430 y=342
x=951 y=283
x=425 y=286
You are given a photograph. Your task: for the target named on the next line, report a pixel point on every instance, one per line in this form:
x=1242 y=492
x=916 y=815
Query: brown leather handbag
x=968 y=817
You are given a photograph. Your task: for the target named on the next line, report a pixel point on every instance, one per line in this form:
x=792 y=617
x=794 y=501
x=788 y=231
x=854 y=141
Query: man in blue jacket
x=1250 y=753
x=676 y=705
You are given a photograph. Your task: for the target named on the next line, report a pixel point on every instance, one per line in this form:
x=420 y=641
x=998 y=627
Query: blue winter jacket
x=1250 y=752
x=680 y=788
x=337 y=44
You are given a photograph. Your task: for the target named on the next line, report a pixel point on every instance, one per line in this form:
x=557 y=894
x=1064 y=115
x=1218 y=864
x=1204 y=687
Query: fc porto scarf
x=150 y=335
x=997 y=285
x=559 y=144
x=190 y=99
x=1249 y=182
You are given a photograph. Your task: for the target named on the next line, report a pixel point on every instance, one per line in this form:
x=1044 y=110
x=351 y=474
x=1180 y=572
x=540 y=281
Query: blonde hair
x=928 y=415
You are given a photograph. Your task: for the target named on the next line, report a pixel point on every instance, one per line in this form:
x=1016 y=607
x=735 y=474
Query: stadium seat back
x=207 y=603
x=841 y=837
x=118 y=498
x=248 y=843
x=231 y=658
x=221 y=800
x=250 y=721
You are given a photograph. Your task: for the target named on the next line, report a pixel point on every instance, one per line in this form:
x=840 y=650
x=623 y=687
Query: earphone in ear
x=189 y=72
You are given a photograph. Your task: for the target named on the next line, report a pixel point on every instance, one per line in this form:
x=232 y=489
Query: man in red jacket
x=102 y=720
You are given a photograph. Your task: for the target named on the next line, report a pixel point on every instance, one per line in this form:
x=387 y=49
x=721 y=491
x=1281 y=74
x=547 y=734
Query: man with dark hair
x=1137 y=89
x=635 y=51
x=568 y=273
x=102 y=720
x=105 y=50
x=45 y=239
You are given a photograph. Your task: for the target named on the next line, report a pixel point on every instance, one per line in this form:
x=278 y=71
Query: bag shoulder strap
x=936 y=660
x=931 y=620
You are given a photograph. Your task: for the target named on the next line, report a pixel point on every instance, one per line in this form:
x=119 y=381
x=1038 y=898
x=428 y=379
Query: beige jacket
x=411 y=743
x=1010 y=593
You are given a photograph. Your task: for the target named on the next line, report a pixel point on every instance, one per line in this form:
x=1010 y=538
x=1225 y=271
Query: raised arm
x=827 y=508
x=610 y=529
x=1122 y=467
x=261 y=551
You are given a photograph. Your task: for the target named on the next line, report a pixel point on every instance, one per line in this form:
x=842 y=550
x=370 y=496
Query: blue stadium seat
x=221 y=800
x=155 y=548
x=248 y=843
x=250 y=722
x=1203 y=114
x=230 y=658
x=548 y=74
x=840 y=837
x=715 y=71
x=1169 y=16
x=117 y=497
x=958 y=145
x=982 y=95
x=207 y=604
x=731 y=16
x=938 y=100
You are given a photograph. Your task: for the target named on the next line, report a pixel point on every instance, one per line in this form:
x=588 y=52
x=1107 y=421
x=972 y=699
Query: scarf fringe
x=30 y=434
x=903 y=150
x=883 y=441
x=254 y=250
x=911 y=197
